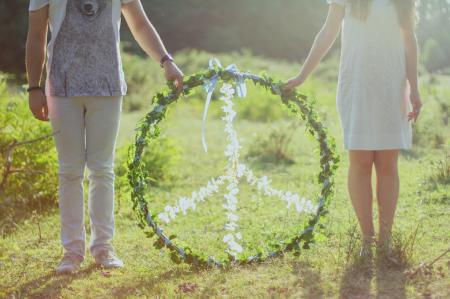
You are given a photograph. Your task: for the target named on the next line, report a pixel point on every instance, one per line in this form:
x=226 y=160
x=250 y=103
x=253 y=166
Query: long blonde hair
x=406 y=11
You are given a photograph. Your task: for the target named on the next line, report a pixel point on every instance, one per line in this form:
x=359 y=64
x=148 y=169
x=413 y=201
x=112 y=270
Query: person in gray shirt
x=82 y=99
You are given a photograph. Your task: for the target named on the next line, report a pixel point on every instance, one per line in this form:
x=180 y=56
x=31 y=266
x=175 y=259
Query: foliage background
x=277 y=29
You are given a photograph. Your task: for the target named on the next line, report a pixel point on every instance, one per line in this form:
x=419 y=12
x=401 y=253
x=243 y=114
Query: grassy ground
x=328 y=270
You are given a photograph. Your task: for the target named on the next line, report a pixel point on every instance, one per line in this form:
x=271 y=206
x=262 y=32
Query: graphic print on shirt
x=85 y=56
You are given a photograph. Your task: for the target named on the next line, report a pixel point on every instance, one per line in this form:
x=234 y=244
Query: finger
x=176 y=83
x=45 y=112
x=180 y=83
x=171 y=80
x=37 y=115
x=40 y=115
x=34 y=112
x=413 y=116
x=288 y=87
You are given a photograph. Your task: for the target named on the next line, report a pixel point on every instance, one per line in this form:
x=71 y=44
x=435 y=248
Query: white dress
x=372 y=98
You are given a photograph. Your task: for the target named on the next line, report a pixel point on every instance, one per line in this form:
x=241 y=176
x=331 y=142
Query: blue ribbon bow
x=210 y=86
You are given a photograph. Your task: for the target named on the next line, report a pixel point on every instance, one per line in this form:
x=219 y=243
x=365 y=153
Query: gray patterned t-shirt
x=83 y=53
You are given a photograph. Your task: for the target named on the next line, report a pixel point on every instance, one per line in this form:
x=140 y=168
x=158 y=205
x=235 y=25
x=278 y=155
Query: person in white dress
x=377 y=100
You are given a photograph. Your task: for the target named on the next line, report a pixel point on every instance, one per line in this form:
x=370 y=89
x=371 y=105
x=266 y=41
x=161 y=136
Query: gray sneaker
x=107 y=259
x=69 y=264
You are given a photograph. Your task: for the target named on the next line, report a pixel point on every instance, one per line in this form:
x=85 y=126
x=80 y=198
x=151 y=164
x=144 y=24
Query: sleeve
x=340 y=2
x=37 y=4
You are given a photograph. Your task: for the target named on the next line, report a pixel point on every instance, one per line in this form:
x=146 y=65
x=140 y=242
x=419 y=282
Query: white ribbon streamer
x=210 y=86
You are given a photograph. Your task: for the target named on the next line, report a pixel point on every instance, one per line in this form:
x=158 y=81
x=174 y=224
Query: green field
x=329 y=269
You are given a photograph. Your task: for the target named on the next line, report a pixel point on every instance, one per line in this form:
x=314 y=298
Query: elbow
x=320 y=38
x=36 y=38
x=138 y=27
x=411 y=47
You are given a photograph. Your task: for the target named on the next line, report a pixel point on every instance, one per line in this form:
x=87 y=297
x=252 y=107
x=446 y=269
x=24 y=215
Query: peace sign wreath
x=148 y=130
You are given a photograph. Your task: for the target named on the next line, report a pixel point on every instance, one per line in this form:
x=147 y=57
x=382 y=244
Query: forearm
x=36 y=45
x=320 y=48
x=149 y=40
x=35 y=59
x=411 y=61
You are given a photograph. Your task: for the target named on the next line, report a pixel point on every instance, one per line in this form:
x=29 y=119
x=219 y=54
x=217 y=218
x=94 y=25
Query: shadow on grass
x=150 y=285
x=389 y=279
x=356 y=280
x=181 y=279
x=309 y=281
x=54 y=284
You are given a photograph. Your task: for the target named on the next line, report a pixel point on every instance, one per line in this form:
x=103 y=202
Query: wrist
x=165 y=59
x=301 y=78
x=35 y=88
x=414 y=91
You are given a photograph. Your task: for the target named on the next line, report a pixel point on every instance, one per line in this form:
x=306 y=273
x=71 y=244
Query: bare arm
x=410 y=40
x=322 y=44
x=35 y=59
x=149 y=40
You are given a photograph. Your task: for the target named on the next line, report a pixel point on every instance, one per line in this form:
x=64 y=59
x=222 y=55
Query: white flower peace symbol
x=235 y=173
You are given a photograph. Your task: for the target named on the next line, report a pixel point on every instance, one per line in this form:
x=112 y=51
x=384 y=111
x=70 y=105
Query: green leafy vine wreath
x=148 y=130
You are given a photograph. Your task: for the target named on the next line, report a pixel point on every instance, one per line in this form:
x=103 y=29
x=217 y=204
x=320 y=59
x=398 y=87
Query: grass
x=330 y=269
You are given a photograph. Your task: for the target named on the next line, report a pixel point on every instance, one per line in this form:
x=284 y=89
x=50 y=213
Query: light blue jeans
x=85 y=130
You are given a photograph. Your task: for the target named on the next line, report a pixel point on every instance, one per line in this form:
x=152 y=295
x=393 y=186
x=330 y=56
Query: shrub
x=431 y=130
x=28 y=178
x=274 y=147
x=441 y=170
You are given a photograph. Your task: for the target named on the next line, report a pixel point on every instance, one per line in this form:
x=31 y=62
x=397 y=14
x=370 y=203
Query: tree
x=281 y=29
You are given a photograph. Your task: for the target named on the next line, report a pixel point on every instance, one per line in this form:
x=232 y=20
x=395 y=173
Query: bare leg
x=360 y=189
x=387 y=191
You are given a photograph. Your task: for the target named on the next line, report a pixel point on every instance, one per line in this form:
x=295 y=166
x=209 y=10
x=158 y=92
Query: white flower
x=288 y=205
x=164 y=218
x=299 y=207
x=171 y=211
x=233 y=217
x=231 y=207
x=228 y=238
x=263 y=183
x=227 y=89
x=231 y=226
x=240 y=170
x=235 y=247
x=184 y=204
